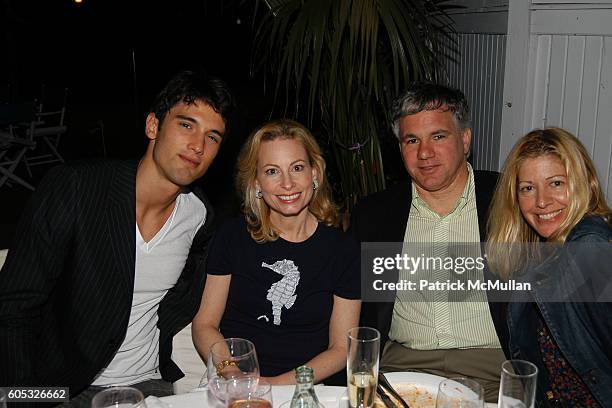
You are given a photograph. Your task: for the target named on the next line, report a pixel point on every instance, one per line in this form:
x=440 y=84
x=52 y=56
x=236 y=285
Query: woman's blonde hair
x=506 y=224
x=256 y=211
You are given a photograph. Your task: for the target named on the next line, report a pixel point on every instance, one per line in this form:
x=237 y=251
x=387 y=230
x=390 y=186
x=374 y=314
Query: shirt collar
x=421 y=206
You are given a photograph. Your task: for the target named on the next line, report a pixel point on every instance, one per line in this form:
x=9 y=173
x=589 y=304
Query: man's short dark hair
x=190 y=87
x=425 y=96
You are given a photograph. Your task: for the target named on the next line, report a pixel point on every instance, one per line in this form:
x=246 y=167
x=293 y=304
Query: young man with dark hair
x=108 y=260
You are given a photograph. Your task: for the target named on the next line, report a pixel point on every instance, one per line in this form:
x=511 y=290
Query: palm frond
x=349 y=58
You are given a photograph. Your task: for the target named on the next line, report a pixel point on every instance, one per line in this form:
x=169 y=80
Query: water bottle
x=304 y=395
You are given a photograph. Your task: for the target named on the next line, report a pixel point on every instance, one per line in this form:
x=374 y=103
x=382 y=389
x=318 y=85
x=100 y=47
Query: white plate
x=428 y=382
x=418 y=389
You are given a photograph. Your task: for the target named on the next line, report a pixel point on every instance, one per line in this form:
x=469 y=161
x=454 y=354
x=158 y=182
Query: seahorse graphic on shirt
x=282 y=292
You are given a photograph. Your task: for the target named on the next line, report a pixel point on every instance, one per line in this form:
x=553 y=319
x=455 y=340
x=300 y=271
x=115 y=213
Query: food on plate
x=416 y=396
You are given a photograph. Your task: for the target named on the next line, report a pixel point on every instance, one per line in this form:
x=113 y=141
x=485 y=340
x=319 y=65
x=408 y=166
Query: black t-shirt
x=281 y=292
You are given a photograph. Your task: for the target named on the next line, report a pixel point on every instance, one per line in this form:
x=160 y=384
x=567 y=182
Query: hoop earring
x=258 y=194
x=315 y=184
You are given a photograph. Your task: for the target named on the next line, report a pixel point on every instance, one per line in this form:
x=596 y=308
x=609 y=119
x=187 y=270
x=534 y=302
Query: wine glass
x=230 y=359
x=2 y=398
x=119 y=397
x=460 y=392
x=248 y=392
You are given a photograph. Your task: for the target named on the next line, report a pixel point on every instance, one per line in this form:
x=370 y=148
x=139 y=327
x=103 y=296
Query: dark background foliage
x=113 y=56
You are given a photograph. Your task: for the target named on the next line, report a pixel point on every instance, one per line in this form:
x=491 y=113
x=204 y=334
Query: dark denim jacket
x=582 y=331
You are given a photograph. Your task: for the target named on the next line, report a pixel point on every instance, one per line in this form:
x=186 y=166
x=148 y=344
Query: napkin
x=154 y=402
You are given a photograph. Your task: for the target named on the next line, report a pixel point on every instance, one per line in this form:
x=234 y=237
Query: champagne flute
x=460 y=392
x=362 y=366
x=230 y=359
x=248 y=392
x=517 y=386
x=119 y=397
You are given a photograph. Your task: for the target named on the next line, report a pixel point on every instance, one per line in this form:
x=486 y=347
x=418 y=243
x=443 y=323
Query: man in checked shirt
x=445 y=201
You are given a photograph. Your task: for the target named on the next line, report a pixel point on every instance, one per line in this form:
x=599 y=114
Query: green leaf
x=347 y=59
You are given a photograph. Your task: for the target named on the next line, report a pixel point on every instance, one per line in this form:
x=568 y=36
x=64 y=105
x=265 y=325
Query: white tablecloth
x=331 y=397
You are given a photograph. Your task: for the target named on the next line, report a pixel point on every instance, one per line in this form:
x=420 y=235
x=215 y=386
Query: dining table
x=329 y=397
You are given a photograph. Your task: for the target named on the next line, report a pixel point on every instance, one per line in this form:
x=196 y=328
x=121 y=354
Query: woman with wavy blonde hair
x=507 y=223
x=549 y=193
x=282 y=276
x=256 y=210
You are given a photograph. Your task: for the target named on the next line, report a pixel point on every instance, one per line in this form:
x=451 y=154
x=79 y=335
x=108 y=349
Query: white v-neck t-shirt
x=159 y=264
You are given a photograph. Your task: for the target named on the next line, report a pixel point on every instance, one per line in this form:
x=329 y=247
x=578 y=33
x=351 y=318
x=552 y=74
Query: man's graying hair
x=425 y=96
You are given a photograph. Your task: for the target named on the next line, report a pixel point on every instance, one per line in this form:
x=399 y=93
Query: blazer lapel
x=485 y=182
x=122 y=221
x=399 y=210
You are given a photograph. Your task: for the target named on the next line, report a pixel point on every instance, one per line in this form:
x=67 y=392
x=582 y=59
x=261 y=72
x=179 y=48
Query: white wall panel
x=570 y=86
x=558 y=67
x=602 y=151
x=536 y=109
x=479 y=72
x=587 y=112
x=573 y=22
x=573 y=83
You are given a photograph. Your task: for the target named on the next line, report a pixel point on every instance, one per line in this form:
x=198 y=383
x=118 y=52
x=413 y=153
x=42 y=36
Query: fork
x=384 y=397
x=382 y=381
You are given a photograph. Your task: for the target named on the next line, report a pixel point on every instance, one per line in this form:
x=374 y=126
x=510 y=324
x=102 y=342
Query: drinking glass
x=118 y=397
x=517 y=386
x=362 y=366
x=2 y=398
x=230 y=359
x=248 y=392
x=460 y=392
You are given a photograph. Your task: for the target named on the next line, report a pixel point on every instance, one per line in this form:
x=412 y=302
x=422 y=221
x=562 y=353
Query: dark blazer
x=382 y=217
x=67 y=284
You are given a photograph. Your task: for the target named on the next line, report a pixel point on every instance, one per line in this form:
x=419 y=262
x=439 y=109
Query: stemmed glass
x=2 y=399
x=248 y=392
x=119 y=397
x=460 y=392
x=230 y=359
